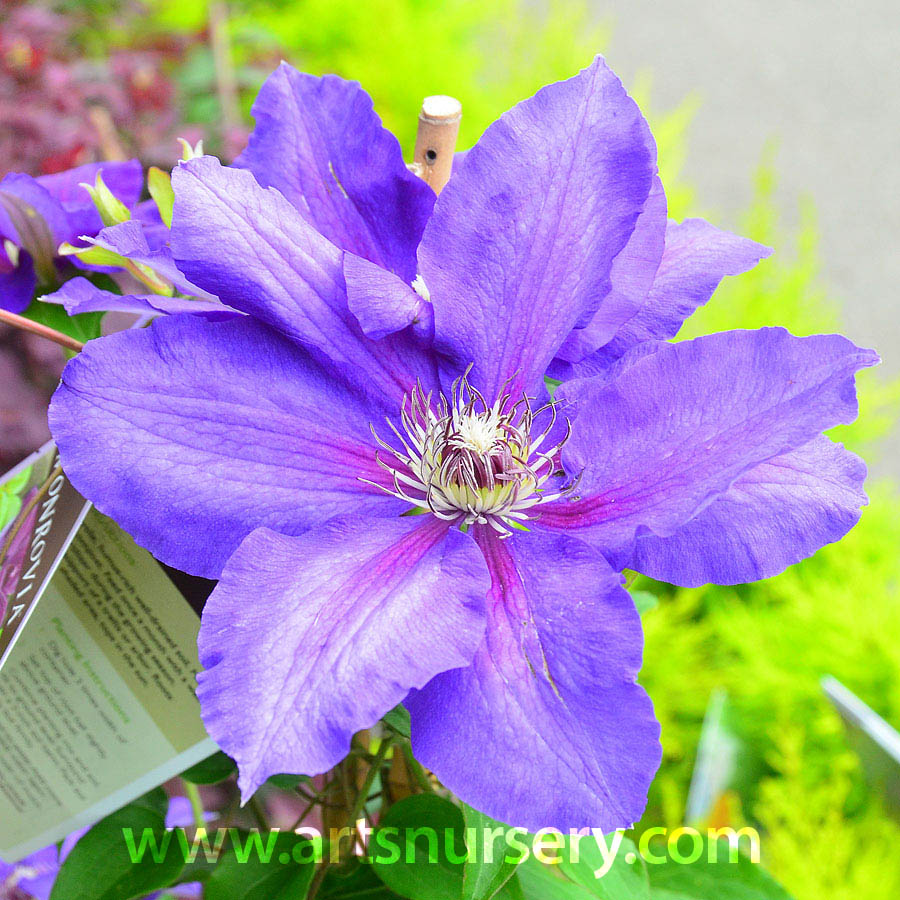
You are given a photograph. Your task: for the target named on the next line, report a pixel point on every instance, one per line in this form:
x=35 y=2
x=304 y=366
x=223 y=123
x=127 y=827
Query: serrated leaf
x=104 y=865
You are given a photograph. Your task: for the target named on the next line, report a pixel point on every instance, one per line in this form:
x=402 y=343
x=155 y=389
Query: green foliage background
x=769 y=643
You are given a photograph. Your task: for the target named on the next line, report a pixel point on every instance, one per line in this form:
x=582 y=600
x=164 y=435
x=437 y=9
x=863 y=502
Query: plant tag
x=98 y=663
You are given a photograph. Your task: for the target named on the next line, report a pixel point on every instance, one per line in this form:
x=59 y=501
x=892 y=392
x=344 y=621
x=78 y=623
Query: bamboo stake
x=436 y=140
x=43 y=331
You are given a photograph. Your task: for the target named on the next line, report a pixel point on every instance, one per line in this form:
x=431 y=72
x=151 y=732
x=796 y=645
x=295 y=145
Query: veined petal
x=522 y=241
x=124 y=179
x=676 y=429
x=550 y=698
x=271 y=263
x=146 y=244
x=778 y=513
x=697 y=257
x=381 y=302
x=78 y=295
x=309 y=639
x=320 y=142
x=190 y=434
x=632 y=276
x=27 y=189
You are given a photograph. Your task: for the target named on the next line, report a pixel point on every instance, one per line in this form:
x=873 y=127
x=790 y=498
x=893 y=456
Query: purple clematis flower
x=392 y=360
x=39 y=214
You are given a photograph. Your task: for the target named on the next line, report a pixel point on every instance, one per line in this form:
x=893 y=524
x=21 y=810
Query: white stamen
x=469 y=462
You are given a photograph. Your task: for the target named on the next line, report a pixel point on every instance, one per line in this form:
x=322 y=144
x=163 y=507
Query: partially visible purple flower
x=244 y=449
x=33 y=877
x=37 y=215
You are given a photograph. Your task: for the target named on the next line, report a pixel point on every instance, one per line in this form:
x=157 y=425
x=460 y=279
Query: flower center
x=467 y=461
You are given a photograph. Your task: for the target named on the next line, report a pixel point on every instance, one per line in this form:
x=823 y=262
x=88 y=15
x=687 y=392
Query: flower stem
x=415 y=767
x=192 y=792
x=51 y=334
x=374 y=769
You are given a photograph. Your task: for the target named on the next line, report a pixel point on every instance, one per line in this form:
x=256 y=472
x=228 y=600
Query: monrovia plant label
x=98 y=663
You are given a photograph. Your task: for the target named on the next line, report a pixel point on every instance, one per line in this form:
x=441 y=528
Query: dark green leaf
x=483 y=877
x=361 y=883
x=288 y=782
x=718 y=873
x=128 y=854
x=216 y=768
x=410 y=846
x=83 y=327
x=398 y=719
x=263 y=866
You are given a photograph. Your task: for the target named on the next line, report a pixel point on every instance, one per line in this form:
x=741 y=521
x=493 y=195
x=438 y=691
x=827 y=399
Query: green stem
x=258 y=813
x=363 y=795
x=415 y=767
x=192 y=792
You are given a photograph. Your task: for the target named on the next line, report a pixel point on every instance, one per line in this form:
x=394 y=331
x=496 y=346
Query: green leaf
x=718 y=874
x=398 y=719
x=112 y=210
x=216 y=768
x=419 y=850
x=483 y=879
x=644 y=601
x=361 y=883
x=539 y=881
x=624 y=878
x=263 y=866
x=83 y=327
x=409 y=848
x=159 y=184
x=127 y=855
x=288 y=782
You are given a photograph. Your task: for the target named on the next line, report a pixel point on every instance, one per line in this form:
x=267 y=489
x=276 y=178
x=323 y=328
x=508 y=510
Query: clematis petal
x=124 y=179
x=146 y=244
x=778 y=513
x=27 y=189
x=696 y=258
x=522 y=241
x=632 y=275
x=78 y=295
x=309 y=639
x=676 y=429
x=190 y=434
x=550 y=697
x=17 y=281
x=269 y=262
x=381 y=302
x=320 y=142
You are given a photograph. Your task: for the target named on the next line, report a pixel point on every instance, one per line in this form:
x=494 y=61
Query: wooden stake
x=436 y=140
x=43 y=331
